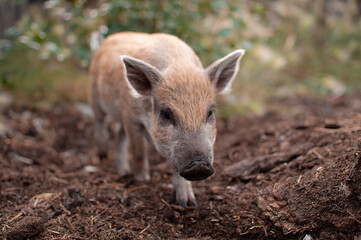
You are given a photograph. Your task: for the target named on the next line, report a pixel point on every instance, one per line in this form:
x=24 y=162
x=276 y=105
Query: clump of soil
x=26 y=228
x=279 y=176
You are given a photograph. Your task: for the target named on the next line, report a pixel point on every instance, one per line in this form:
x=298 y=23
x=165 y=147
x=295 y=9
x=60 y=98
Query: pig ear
x=223 y=71
x=140 y=76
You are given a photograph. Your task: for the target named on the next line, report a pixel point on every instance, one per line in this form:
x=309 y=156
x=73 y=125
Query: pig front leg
x=183 y=190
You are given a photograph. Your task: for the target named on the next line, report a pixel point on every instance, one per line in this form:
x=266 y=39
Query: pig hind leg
x=138 y=146
x=183 y=191
x=101 y=133
x=122 y=155
x=101 y=138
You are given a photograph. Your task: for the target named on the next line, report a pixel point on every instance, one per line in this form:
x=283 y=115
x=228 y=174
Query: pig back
x=107 y=73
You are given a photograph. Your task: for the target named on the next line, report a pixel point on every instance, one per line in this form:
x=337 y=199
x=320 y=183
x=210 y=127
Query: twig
x=167 y=204
x=144 y=229
x=257 y=226
x=4 y=227
x=134 y=189
x=70 y=223
x=353 y=217
x=12 y=204
x=56 y=196
x=92 y=218
x=299 y=179
x=52 y=231
x=314 y=151
x=16 y=217
x=36 y=202
x=244 y=233
x=12 y=189
x=64 y=209
x=21 y=158
x=58 y=180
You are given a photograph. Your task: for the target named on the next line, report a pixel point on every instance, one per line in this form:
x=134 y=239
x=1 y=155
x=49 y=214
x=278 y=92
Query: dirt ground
x=294 y=174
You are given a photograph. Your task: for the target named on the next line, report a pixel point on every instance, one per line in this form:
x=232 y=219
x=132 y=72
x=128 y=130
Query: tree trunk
x=11 y=12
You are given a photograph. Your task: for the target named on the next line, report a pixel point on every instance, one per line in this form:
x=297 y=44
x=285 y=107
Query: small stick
x=314 y=151
x=52 y=231
x=244 y=233
x=299 y=179
x=36 y=202
x=56 y=196
x=12 y=204
x=134 y=189
x=256 y=226
x=353 y=217
x=4 y=227
x=167 y=204
x=144 y=229
x=64 y=209
x=67 y=219
x=92 y=218
x=16 y=217
x=59 y=180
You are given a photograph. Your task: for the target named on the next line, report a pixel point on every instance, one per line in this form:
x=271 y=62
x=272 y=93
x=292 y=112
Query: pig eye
x=166 y=115
x=210 y=115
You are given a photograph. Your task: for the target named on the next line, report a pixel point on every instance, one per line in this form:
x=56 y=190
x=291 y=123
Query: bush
x=62 y=28
x=292 y=47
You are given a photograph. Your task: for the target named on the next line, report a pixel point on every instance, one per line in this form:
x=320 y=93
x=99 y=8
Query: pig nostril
x=198 y=161
x=195 y=162
x=198 y=169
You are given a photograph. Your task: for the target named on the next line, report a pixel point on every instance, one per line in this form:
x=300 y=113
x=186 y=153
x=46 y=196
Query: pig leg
x=101 y=137
x=139 y=153
x=183 y=191
x=101 y=134
x=122 y=156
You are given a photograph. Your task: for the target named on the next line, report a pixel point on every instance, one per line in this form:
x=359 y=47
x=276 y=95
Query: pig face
x=182 y=121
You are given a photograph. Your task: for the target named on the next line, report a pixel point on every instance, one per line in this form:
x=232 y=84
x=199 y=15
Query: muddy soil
x=294 y=174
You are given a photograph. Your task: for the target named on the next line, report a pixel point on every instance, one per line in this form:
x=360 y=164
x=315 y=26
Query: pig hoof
x=102 y=155
x=192 y=202
x=124 y=171
x=143 y=177
x=187 y=202
x=123 y=168
x=185 y=199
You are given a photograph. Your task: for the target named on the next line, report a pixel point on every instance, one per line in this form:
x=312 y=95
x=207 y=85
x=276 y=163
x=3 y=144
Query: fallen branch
x=339 y=130
x=248 y=168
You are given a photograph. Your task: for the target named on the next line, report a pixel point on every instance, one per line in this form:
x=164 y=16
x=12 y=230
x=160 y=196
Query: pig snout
x=197 y=170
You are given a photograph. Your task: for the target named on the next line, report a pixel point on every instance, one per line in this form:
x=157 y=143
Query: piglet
x=155 y=86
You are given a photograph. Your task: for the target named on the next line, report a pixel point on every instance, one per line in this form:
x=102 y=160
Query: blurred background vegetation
x=293 y=47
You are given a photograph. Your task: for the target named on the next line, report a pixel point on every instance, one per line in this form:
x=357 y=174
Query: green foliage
x=31 y=78
x=62 y=28
x=299 y=49
x=59 y=30
x=292 y=48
